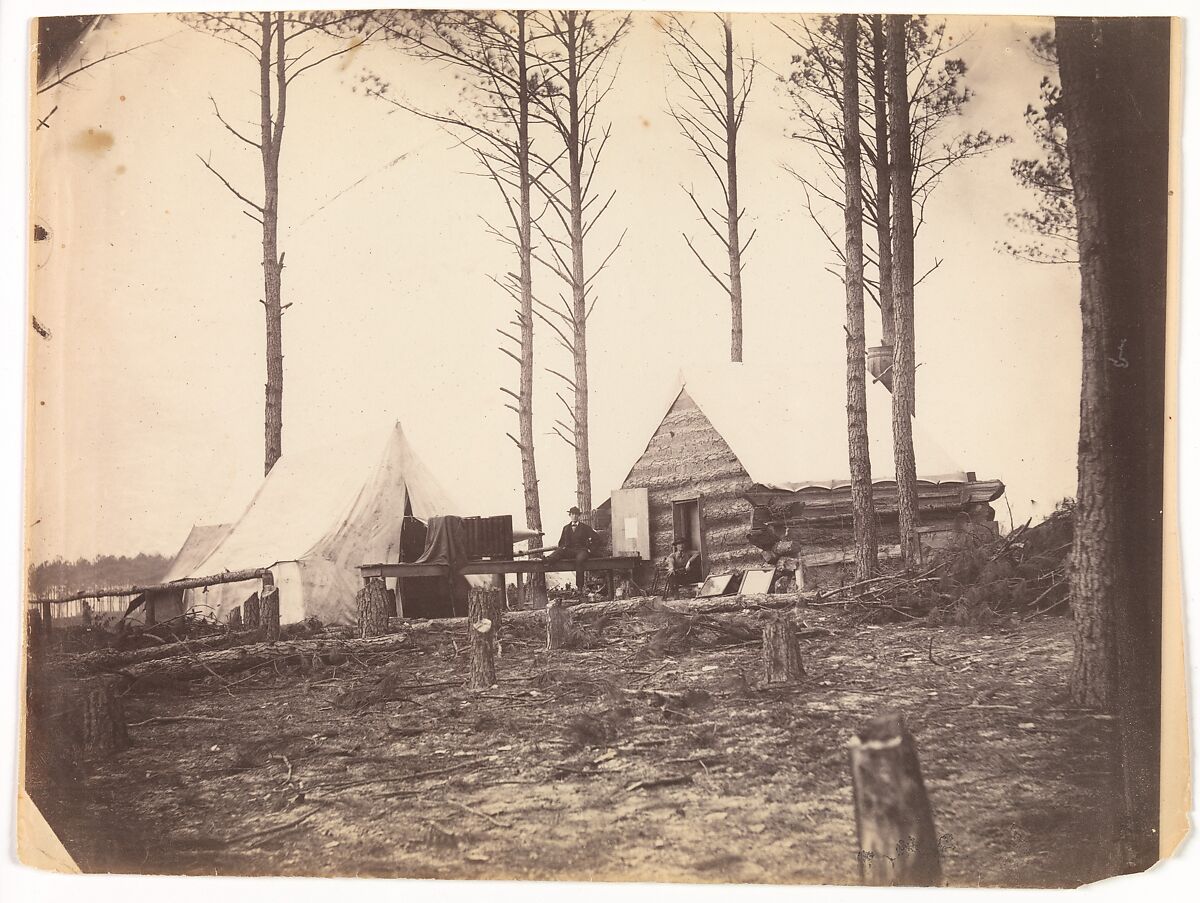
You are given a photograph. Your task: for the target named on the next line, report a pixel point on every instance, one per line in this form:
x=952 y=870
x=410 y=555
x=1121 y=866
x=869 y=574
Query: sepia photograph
x=698 y=447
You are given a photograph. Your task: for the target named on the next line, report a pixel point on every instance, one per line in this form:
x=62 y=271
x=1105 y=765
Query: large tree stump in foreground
x=780 y=652
x=269 y=613
x=102 y=729
x=558 y=625
x=483 y=624
x=897 y=842
x=235 y=619
x=372 y=609
x=252 y=613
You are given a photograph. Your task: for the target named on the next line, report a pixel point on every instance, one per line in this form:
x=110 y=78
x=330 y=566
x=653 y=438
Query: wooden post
x=780 y=653
x=483 y=624
x=558 y=624
x=252 y=613
x=269 y=612
x=103 y=718
x=512 y=596
x=372 y=609
x=235 y=619
x=47 y=619
x=897 y=842
x=148 y=607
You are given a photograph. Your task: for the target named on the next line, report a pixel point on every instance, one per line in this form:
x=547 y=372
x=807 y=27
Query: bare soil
x=651 y=756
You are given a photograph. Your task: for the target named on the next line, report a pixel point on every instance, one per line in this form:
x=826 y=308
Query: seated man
x=682 y=567
x=577 y=541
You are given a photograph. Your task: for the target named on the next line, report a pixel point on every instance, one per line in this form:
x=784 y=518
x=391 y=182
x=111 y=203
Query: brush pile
x=1021 y=575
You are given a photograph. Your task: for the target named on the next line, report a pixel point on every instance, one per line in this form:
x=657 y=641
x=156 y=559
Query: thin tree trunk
x=883 y=183
x=272 y=131
x=902 y=292
x=866 y=546
x=529 y=480
x=583 y=466
x=735 y=246
x=1116 y=105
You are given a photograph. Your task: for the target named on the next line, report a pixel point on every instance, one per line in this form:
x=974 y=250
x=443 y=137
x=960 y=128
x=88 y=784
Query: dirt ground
x=387 y=766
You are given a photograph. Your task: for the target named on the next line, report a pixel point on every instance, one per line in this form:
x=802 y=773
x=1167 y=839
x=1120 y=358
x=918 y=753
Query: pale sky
x=147 y=402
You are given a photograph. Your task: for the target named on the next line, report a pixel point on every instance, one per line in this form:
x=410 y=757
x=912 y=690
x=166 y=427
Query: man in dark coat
x=577 y=541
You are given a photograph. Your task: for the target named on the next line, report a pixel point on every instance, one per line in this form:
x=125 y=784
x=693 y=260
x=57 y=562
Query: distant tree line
x=103 y=570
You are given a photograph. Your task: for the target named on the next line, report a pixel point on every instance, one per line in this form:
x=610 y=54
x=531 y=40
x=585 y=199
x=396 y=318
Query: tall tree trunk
x=583 y=466
x=735 y=245
x=866 y=547
x=529 y=480
x=883 y=183
x=902 y=292
x=271 y=123
x=1116 y=106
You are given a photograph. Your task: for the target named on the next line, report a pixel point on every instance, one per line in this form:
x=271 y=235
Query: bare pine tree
x=493 y=50
x=574 y=54
x=866 y=545
x=903 y=365
x=937 y=94
x=715 y=88
x=283 y=46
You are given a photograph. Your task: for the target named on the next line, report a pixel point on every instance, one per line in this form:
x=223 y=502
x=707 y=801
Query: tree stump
x=897 y=842
x=252 y=613
x=269 y=613
x=780 y=652
x=483 y=624
x=235 y=619
x=372 y=609
x=103 y=718
x=558 y=625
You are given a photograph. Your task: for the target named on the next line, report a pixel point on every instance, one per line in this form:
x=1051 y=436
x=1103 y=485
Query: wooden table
x=502 y=567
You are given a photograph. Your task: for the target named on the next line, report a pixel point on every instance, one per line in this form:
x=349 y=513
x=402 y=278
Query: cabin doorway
x=688 y=517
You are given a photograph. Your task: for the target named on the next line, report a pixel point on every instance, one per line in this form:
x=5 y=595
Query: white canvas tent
x=316 y=517
x=199 y=544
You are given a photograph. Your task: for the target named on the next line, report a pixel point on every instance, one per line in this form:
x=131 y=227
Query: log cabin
x=744 y=452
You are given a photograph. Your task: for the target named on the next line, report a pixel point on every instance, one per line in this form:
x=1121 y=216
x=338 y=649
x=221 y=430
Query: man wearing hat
x=577 y=541
x=682 y=566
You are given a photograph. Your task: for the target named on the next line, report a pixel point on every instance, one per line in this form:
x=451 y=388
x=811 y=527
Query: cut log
x=558 y=625
x=252 y=613
x=187 y=583
x=269 y=613
x=897 y=842
x=483 y=625
x=239 y=658
x=596 y=610
x=372 y=609
x=780 y=653
x=102 y=718
x=235 y=619
x=109 y=660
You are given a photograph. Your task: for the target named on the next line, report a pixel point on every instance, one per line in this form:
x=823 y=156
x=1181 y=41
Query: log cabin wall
x=687 y=457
